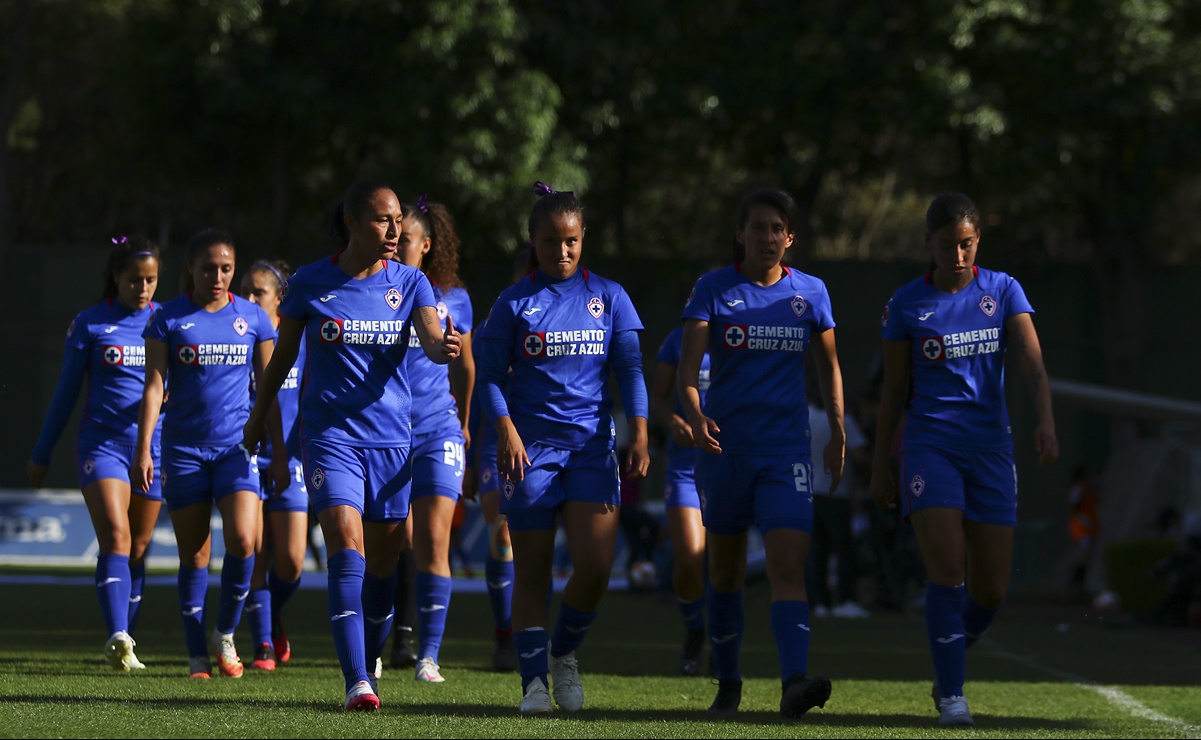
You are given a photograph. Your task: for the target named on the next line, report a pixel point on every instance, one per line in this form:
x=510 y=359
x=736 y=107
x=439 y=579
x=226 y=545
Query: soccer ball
x=643 y=574
x=1107 y=601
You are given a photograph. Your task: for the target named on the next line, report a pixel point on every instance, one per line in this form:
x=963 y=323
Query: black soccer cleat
x=402 y=655
x=729 y=696
x=801 y=694
x=690 y=654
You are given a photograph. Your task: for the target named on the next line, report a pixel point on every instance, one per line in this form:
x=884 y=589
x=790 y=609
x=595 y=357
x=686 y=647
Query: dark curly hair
x=441 y=263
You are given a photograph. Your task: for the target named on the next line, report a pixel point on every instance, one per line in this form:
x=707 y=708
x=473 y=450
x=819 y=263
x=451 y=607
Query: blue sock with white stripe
x=531 y=655
x=725 y=631
x=137 y=584
x=693 y=613
x=281 y=591
x=345 y=572
x=112 y=588
x=235 y=589
x=790 y=625
x=258 y=614
x=377 y=614
x=193 y=585
x=433 y=601
x=944 y=628
x=570 y=629
x=976 y=620
x=498 y=574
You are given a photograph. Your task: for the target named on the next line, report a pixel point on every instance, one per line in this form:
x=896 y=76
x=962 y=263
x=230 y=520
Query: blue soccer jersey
x=105 y=343
x=758 y=336
x=682 y=458
x=434 y=408
x=356 y=390
x=556 y=337
x=288 y=399
x=210 y=360
x=958 y=359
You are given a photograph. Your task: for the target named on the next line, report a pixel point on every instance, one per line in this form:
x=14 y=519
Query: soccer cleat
x=228 y=661
x=200 y=667
x=850 y=610
x=801 y=694
x=402 y=655
x=536 y=699
x=690 y=655
x=565 y=677
x=821 y=610
x=427 y=671
x=729 y=696
x=379 y=668
x=264 y=658
x=280 y=643
x=118 y=651
x=361 y=698
x=953 y=712
x=504 y=655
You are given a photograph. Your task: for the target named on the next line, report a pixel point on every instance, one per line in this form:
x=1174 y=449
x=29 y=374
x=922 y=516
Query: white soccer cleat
x=361 y=698
x=536 y=699
x=953 y=712
x=565 y=678
x=427 y=671
x=850 y=610
x=118 y=651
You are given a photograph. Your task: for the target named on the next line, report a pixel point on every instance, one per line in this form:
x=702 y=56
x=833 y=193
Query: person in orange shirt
x=1084 y=525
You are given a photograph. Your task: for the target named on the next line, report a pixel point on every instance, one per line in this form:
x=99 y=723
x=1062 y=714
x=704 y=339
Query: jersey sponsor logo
x=109 y=329
x=932 y=348
x=442 y=310
x=924 y=316
x=949 y=638
x=187 y=354
x=188 y=325
x=393 y=298
x=917 y=485
x=798 y=306
x=317 y=479
x=327 y=297
x=532 y=311
x=240 y=326
x=534 y=344
x=331 y=330
x=113 y=355
x=596 y=307
x=734 y=336
x=734 y=302
x=988 y=305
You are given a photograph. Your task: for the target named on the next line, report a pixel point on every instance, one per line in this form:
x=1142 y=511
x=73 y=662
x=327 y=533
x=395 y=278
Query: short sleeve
x=892 y=327
x=824 y=318
x=1016 y=301
x=294 y=302
x=700 y=304
x=78 y=336
x=423 y=292
x=499 y=324
x=669 y=352
x=157 y=328
x=625 y=317
x=266 y=328
x=464 y=318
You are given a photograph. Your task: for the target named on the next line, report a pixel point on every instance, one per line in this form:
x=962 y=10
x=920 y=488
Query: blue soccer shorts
x=555 y=477
x=374 y=481
x=99 y=459
x=294 y=498
x=771 y=491
x=983 y=485
x=438 y=464
x=194 y=475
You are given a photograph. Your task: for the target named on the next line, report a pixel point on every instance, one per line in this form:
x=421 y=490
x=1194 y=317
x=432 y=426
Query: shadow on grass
x=179 y=702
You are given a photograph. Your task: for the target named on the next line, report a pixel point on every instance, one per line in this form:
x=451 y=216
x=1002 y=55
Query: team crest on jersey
x=442 y=310
x=534 y=344
x=596 y=307
x=240 y=326
x=187 y=354
x=798 y=306
x=884 y=317
x=88 y=466
x=486 y=477
x=112 y=355
x=932 y=348
x=393 y=298
x=988 y=305
x=317 y=479
x=917 y=485
x=734 y=336
x=509 y=488
x=331 y=330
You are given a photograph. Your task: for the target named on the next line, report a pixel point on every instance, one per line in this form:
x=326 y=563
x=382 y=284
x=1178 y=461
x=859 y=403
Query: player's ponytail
x=550 y=203
x=199 y=242
x=441 y=263
x=778 y=199
x=126 y=249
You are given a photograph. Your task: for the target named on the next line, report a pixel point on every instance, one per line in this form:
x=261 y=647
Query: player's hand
x=884 y=488
x=681 y=432
x=1046 y=444
x=281 y=475
x=834 y=458
x=511 y=458
x=638 y=460
x=36 y=473
x=466 y=439
x=470 y=487
x=254 y=432
x=703 y=430
x=452 y=340
x=141 y=473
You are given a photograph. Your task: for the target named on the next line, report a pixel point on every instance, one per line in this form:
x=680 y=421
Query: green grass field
x=1031 y=677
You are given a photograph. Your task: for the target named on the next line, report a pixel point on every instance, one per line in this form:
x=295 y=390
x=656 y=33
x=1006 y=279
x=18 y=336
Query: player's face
x=765 y=237
x=260 y=287
x=136 y=283
x=413 y=243
x=953 y=249
x=376 y=230
x=212 y=272
x=558 y=242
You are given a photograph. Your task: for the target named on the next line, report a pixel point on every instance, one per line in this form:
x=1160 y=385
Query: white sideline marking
x=1113 y=695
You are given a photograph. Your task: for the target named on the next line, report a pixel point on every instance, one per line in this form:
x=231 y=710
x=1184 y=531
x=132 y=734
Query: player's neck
x=952 y=283
x=764 y=275
x=358 y=265
x=214 y=305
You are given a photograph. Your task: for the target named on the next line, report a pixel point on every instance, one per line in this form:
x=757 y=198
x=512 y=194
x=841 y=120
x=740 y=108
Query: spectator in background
x=1084 y=526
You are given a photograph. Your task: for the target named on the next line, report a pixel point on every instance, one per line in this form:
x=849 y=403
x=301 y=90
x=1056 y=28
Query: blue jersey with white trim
x=557 y=335
x=682 y=458
x=210 y=360
x=434 y=408
x=288 y=399
x=356 y=388
x=758 y=337
x=957 y=366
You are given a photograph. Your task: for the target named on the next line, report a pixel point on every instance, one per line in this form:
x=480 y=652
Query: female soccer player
x=285 y=526
x=758 y=319
x=947 y=333
x=355 y=311
x=104 y=343
x=680 y=497
x=201 y=343
x=560 y=330
x=440 y=420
